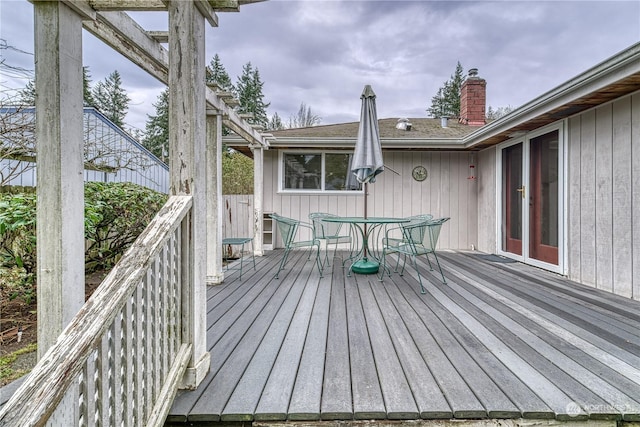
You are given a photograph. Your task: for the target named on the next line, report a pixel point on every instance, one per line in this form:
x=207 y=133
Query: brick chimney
x=473 y=100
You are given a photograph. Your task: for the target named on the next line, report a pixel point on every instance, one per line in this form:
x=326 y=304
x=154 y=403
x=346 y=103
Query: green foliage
x=18 y=231
x=157 y=128
x=111 y=98
x=115 y=214
x=237 y=174
x=216 y=73
x=16 y=283
x=249 y=88
x=28 y=94
x=86 y=87
x=446 y=102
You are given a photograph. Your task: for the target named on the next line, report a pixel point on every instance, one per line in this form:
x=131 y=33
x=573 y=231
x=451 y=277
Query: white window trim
x=281 y=188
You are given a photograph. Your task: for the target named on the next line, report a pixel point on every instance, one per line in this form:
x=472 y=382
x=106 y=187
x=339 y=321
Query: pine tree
x=157 y=128
x=249 y=88
x=111 y=99
x=86 y=87
x=216 y=73
x=28 y=94
x=446 y=102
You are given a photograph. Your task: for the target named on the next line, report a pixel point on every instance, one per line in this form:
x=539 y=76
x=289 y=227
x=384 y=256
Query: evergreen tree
x=249 y=88
x=216 y=73
x=446 y=102
x=304 y=118
x=86 y=87
x=111 y=99
x=28 y=94
x=157 y=128
x=275 y=123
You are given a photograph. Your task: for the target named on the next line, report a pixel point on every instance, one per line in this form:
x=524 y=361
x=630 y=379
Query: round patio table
x=362 y=263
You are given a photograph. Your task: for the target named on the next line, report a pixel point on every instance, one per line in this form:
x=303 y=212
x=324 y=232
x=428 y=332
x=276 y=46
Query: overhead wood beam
x=159 y=36
x=225 y=5
x=133 y=5
x=122 y=33
x=207 y=11
x=81 y=7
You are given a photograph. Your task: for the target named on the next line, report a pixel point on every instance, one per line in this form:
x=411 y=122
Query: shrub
x=115 y=214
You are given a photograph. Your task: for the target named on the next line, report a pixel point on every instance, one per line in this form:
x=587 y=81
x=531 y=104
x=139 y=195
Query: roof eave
x=624 y=65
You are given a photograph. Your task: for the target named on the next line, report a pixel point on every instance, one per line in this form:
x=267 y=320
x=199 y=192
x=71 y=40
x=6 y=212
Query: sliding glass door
x=531 y=198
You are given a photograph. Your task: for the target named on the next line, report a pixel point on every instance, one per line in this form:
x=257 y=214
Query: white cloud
x=322 y=53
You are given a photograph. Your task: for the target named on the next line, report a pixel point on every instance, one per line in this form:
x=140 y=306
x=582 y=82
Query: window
x=318 y=171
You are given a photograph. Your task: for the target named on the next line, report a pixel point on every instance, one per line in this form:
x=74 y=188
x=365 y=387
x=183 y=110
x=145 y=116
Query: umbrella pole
x=366 y=243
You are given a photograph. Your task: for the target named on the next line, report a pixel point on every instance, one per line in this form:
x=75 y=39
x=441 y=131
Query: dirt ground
x=15 y=315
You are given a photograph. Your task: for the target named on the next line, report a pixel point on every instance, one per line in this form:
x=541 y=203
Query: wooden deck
x=500 y=340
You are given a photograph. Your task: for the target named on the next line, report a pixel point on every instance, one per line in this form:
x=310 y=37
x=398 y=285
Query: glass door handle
x=521 y=191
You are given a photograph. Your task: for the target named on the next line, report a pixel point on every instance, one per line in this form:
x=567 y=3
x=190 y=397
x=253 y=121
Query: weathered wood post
x=60 y=168
x=214 y=198
x=187 y=137
x=258 y=189
x=59 y=178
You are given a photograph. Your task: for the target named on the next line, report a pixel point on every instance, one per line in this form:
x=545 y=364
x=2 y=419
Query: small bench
x=238 y=241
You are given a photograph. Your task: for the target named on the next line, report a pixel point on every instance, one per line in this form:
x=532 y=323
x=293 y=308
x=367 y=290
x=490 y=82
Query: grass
x=8 y=372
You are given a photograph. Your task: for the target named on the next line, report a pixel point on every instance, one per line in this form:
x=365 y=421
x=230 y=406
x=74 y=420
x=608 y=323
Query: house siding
x=604 y=195
x=487 y=196
x=447 y=192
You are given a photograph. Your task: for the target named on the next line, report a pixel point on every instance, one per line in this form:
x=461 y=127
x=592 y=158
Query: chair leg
x=415 y=265
x=282 y=261
x=439 y=268
x=318 y=262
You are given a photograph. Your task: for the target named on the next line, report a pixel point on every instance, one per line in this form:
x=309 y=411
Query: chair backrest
x=321 y=229
x=434 y=227
x=416 y=234
x=287 y=227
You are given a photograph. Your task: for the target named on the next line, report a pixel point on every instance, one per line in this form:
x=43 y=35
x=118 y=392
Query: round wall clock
x=419 y=173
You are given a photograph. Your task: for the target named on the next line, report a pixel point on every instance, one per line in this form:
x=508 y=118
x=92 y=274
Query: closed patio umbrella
x=367 y=160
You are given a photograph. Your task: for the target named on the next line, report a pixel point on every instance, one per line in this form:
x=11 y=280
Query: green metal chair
x=330 y=232
x=419 y=238
x=288 y=228
x=399 y=233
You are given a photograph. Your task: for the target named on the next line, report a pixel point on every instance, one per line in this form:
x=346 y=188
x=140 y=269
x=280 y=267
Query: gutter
x=623 y=64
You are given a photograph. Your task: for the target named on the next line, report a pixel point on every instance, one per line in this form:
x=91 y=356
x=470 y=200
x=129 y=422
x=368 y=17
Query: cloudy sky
x=323 y=52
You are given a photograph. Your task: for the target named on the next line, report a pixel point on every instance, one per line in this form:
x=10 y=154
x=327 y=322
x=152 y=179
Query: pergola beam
x=123 y=34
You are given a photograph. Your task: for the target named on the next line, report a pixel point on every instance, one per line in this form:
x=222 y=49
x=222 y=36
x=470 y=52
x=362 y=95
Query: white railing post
x=187 y=137
x=214 y=198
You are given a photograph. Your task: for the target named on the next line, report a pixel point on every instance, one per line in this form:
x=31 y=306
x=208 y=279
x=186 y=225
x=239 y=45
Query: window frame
x=322 y=153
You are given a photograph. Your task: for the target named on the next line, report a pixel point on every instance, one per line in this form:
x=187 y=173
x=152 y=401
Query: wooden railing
x=120 y=360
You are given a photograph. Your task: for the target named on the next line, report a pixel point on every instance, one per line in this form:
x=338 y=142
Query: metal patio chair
x=330 y=232
x=288 y=228
x=419 y=238
x=400 y=238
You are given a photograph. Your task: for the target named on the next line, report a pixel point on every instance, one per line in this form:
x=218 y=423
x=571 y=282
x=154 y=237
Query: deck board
x=500 y=340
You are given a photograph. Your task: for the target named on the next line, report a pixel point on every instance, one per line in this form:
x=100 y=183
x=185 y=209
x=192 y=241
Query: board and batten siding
x=604 y=197
x=447 y=192
x=487 y=196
